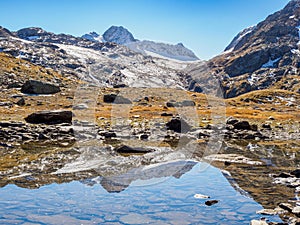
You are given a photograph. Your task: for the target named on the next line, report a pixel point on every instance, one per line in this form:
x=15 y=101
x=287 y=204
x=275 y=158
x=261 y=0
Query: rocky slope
x=107 y=64
x=263 y=56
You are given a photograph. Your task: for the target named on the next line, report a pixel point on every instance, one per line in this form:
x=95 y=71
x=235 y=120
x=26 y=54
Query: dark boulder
x=132 y=150
x=296 y=173
x=39 y=87
x=266 y=126
x=113 y=98
x=178 y=125
x=166 y=114
x=232 y=120
x=50 y=117
x=242 y=125
x=21 y=102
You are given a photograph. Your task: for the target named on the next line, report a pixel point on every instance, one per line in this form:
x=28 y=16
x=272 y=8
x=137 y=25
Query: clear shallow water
x=168 y=202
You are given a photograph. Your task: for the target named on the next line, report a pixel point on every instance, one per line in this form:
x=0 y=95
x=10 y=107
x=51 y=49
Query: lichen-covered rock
x=39 y=87
x=50 y=117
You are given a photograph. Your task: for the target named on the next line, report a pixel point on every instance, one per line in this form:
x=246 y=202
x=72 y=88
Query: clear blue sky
x=205 y=26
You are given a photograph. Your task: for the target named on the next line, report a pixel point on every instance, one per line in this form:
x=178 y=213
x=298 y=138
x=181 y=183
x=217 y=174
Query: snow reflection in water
x=98 y=200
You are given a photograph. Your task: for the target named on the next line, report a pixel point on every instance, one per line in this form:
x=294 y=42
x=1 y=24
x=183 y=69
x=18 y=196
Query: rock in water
x=211 y=202
x=50 y=117
x=200 y=196
x=178 y=125
x=133 y=150
x=39 y=87
x=258 y=222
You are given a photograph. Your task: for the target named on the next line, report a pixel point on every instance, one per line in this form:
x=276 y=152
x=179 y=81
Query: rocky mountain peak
x=5 y=32
x=119 y=35
x=263 y=56
x=32 y=33
x=93 y=36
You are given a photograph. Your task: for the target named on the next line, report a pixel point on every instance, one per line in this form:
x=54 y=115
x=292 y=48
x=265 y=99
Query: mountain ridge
x=120 y=35
x=264 y=56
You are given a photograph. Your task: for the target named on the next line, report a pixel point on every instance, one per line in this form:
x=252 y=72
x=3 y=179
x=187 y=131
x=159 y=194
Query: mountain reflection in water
x=161 y=194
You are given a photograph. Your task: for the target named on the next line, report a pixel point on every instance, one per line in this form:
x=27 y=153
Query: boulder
x=81 y=106
x=113 y=98
x=50 y=117
x=39 y=87
x=242 y=125
x=178 y=125
x=133 y=150
x=296 y=173
x=187 y=103
x=21 y=102
x=166 y=114
x=231 y=120
x=266 y=126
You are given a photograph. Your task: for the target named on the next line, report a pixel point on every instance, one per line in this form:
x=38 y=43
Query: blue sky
x=205 y=26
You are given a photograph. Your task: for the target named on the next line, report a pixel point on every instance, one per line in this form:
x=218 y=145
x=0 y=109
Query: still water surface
x=161 y=201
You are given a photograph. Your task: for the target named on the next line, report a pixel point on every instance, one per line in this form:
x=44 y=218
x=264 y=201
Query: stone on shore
x=39 y=87
x=50 y=117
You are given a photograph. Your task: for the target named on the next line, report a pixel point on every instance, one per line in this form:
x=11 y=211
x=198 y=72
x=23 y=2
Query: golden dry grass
x=251 y=106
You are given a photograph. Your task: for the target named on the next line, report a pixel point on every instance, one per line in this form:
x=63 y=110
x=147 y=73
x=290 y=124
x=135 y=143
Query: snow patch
x=32 y=38
x=270 y=63
x=298 y=34
x=93 y=36
x=177 y=52
x=253 y=79
x=296 y=51
x=238 y=38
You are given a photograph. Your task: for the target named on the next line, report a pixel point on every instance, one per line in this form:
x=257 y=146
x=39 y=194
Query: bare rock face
x=119 y=35
x=263 y=56
x=5 y=32
x=50 y=117
x=39 y=87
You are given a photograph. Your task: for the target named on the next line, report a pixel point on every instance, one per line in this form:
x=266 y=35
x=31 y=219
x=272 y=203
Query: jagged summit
x=5 y=32
x=32 y=33
x=266 y=55
x=122 y=36
x=236 y=40
x=93 y=36
x=178 y=51
x=119 y=35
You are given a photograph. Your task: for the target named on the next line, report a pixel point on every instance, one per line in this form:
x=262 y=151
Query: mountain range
x=263 y=56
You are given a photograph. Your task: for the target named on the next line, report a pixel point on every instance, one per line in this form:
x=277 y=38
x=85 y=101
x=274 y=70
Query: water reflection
x=168 y=202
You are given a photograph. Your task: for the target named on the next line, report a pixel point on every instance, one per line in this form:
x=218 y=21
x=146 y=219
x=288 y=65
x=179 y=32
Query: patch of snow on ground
x=253 y=79
x=31 y=38
x=270 y=63
x=296 y=51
